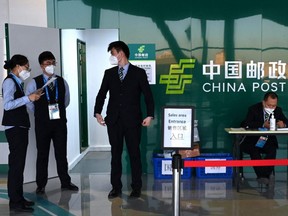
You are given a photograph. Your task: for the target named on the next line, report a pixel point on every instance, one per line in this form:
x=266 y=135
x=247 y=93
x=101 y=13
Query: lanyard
x=46 y=90
x=17 y=81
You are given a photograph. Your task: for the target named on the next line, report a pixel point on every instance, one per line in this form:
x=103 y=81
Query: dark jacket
x=255 y=120
x=125 y=96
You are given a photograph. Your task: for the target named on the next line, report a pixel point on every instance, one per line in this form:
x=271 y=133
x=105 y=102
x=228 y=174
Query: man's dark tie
x=121 y=75
x=266 y=116
x=51 y=86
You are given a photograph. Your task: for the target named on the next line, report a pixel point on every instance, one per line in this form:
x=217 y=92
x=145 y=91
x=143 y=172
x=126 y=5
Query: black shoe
x=21 y=208
x=28 y=203
x=70 y=186
x=114 y=193
x=40 y=190
x=135 y=194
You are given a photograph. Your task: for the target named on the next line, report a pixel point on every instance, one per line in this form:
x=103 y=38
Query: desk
x=238 y=132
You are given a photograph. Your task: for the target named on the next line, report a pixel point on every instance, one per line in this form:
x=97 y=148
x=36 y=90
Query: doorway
x=82 y=92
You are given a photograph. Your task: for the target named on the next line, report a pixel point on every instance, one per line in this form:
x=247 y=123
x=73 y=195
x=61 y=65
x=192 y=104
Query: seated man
x=258 y=116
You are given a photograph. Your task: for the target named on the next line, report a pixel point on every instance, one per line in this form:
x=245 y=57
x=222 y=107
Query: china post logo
x=141 y=49
x=176 y=80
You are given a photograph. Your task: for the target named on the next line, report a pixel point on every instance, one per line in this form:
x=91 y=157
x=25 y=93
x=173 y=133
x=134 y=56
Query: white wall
x=69 y=72
x=3 y=17
x=97 y=41
x=28 y=12
x=97 y=63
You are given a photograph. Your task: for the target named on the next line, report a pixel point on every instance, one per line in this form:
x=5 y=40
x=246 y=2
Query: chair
x=241 y=170
x=241 y=154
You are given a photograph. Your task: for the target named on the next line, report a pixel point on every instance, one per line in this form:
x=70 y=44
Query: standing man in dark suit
x=125 y=83
x=50 y=123
x=258 y=116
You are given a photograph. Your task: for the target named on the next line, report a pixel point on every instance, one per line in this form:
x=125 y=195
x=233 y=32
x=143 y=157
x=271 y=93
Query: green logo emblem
x=176 y=80
x=141 y=49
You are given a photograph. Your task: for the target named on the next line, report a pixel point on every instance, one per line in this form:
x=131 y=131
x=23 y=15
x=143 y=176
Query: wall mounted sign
x=144 y=56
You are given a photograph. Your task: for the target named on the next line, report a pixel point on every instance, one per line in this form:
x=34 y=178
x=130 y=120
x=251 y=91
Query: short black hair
x=273 y=95
x=46 y=55
x=15 y=60
x=119 y=45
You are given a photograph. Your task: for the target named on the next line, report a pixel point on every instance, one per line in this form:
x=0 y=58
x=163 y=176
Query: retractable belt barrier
x=212 y=163
x=236 y=163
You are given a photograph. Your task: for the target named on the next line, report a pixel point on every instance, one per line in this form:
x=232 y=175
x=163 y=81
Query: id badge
x=261 y=141
x=54 y=112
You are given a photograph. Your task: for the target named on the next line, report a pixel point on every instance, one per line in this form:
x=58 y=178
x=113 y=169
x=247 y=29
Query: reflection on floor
x=199 y=196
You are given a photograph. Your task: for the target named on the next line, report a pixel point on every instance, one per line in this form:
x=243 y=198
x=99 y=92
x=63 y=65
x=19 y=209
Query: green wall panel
x=218 y=31
x=3 y=170
x=2 y=137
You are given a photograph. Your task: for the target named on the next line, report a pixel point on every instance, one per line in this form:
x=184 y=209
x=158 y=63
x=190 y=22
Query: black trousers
x=132 y=135
x=269 y=149
x=17 y=138
x=57 y=132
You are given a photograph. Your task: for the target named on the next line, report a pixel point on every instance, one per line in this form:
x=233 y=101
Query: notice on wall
x=178 y=127
x=144 y=56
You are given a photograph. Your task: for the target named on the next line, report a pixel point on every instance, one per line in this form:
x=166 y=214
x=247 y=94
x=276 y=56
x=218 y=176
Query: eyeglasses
x=48 y=63
x=27 y=68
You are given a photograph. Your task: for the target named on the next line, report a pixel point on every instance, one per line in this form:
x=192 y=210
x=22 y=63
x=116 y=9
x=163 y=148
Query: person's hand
x=281 y=124
x=35 y=95
x=266 y=124
x=147 y=121
x=39 y=91
x=100 y=119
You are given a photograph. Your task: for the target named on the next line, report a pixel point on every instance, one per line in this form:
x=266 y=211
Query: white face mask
x=113 y=60
x=269 y=110
x=50 y=69
x=24 y=74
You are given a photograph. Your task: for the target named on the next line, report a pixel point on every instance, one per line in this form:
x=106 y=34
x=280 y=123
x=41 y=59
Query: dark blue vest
x=41 y=106
x=18 y=116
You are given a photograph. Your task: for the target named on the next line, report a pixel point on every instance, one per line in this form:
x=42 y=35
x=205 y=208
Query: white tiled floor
x=198 y=196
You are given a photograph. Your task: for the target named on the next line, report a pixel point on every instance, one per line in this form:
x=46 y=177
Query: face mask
x=269 y=110
x=113 y=60
x=50 y=69
x=24 y=74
